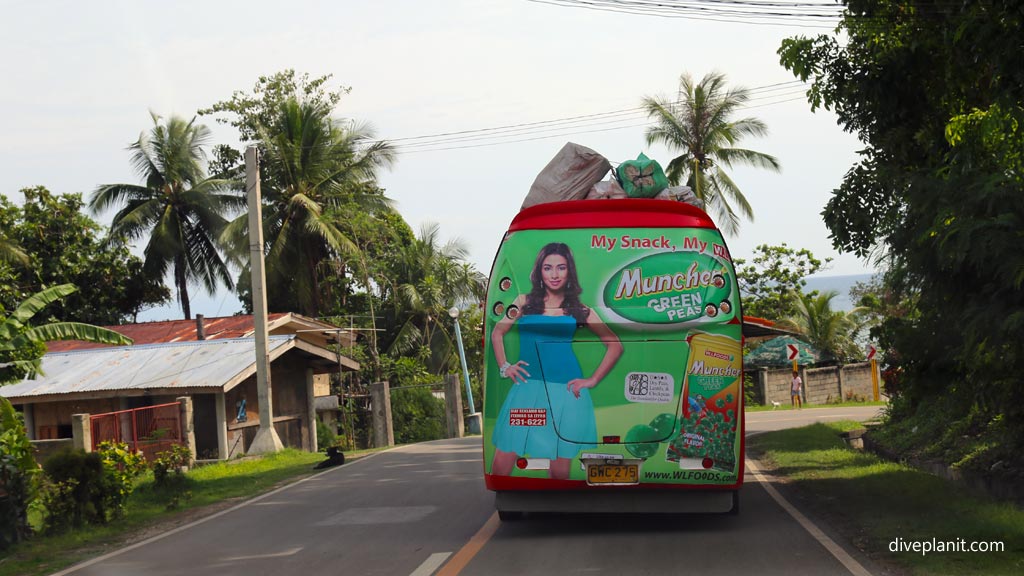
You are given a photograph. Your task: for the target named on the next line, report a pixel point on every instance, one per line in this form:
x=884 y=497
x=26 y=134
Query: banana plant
x=17 y=335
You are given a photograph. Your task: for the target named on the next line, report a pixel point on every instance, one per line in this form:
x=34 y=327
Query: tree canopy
x=934 y=91
x=62 y=245
x=774 y=278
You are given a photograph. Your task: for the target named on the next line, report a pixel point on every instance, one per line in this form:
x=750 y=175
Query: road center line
x=463 y=556
x=836 y=550
x=431 y=564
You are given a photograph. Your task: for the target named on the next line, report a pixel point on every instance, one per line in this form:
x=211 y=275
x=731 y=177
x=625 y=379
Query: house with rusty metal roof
x=212 y=361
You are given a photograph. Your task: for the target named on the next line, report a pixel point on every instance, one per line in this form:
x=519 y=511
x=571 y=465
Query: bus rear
x=613 y=378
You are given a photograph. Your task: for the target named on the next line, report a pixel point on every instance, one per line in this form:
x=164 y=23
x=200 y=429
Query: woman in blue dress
x=558 y=400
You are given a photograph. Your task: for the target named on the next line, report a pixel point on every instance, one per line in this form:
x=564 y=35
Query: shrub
x=417 y=415
x=58 y=505
x=326 y=436
x=170 y=465
x=76 y=488
x=120 y=468
x=18 y=477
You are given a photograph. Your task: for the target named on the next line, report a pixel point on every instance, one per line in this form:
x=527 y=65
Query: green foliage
x=314 y=169
x=871 y=499
x=22 y=345
x=18 y=477
x=431 y=277
x=61 y=245
x=751 y=392
x=76 y=490
x=417 y=415
x=169 y=465
x=326 y=436
x=121 y=467
x=249 y=112
x=934 y=92
x=832 y=332
x=772 y=279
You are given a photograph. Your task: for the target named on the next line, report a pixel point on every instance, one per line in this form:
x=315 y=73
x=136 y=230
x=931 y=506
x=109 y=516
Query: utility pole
x=266 y=440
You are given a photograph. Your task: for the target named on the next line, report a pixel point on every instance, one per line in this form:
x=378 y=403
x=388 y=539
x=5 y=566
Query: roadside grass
x=152 y=510
x=873 y=502
x=787 y=406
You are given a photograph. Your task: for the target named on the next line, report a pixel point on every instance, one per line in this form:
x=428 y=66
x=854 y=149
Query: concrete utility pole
x=266 y=439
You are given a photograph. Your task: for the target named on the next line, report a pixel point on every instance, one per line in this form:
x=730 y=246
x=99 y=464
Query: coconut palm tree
x=833 y=332
x=699 y=124
x=313 y=169
x=432 y=277
x=181 y=210
x=11 y=253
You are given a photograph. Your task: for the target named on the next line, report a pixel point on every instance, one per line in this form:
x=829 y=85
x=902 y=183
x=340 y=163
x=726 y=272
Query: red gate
x=149 y=430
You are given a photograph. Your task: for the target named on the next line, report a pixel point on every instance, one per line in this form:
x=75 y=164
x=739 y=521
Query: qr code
x=638 y=384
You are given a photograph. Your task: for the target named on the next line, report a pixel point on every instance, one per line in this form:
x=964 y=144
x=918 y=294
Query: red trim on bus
x=518 y=483
x=608 y=213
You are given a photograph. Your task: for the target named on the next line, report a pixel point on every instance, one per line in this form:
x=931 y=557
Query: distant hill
x=840 y=284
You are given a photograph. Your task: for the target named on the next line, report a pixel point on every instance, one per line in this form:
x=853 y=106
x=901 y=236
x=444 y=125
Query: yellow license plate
x=613 y=474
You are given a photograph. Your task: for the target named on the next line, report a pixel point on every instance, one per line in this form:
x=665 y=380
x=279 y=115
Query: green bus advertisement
x=614 y=366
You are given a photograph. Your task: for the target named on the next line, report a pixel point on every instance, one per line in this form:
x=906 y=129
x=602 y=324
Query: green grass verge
x=149 y=507
x=749 y=408
x=874 y=502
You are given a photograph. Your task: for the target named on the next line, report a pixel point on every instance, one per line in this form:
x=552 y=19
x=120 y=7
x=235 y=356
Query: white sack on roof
x=568 y=176
x=680 y=194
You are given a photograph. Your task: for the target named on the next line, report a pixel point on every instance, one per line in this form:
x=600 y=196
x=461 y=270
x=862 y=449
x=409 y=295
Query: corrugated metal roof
x=203 y=364
x=220 y=328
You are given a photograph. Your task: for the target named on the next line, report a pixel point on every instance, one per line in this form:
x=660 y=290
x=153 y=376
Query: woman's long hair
x=571 y=292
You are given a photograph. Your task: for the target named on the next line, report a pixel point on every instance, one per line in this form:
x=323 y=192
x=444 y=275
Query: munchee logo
x=670 y=287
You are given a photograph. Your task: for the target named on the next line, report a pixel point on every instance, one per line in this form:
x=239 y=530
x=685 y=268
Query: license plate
x=613 y=474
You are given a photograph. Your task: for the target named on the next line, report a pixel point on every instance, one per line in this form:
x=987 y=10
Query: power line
x=727 y=12
x=584 y=124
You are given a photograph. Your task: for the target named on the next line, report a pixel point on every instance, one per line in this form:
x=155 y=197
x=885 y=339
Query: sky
x=80 y=80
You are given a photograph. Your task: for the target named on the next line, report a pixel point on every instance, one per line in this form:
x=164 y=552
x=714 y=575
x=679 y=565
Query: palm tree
x=314 y=168
x=182 y=211
x=833 y=332
x=21 y=345
x=433 y=277
x=11 y=253
x=699 y=124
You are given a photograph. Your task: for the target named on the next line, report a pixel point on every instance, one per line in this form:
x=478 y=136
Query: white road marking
x=836 y=550
x=289 y=552
x=431 y=564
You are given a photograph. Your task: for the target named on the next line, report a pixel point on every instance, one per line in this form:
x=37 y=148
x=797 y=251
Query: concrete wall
x=821 y=385
x=45 y=448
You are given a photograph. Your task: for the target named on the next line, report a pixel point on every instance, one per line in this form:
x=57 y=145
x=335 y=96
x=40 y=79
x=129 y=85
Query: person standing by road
x=795 y=389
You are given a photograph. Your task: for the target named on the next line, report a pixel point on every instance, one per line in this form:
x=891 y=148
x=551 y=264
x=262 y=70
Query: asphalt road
x=422 y=509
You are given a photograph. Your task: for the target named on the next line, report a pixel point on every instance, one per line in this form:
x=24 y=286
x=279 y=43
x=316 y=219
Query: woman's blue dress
x=545 y=343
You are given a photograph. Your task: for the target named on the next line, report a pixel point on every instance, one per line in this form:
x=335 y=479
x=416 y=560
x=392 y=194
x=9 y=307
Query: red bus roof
x=611 y=213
